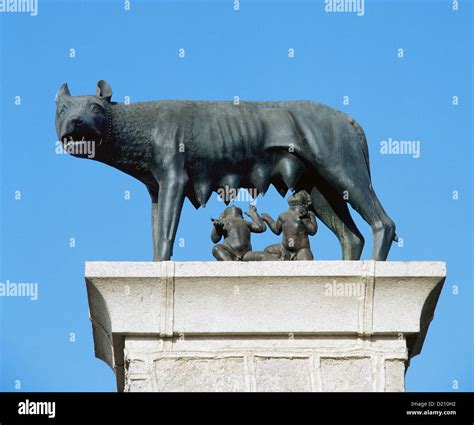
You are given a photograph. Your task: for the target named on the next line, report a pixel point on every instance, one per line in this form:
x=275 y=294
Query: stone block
x=267 y=326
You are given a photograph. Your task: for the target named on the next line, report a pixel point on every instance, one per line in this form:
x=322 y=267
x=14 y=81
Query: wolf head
x=81 y=119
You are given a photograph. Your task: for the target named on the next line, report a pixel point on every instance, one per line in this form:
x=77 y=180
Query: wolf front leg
x=165 y=216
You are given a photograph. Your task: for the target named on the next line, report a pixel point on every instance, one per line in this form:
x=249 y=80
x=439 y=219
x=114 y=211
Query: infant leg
x=304 y=254
x=260 y=256
x=222 y=252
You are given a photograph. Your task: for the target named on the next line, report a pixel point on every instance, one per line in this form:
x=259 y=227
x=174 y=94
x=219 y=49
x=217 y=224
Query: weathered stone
x=199 y=374
x=283 y=374
x=267 y=326
x=394 y=375
x=138 y=385
x=347 y=374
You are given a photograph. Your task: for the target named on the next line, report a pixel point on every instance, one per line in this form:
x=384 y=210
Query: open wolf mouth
x=81 y=137
x=81 y=144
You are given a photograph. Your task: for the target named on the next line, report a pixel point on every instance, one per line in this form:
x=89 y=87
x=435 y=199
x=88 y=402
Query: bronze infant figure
x=236 y=232
x=296 y=224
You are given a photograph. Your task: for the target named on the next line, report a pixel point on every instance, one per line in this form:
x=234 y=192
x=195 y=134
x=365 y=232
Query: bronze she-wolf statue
x=189 y=149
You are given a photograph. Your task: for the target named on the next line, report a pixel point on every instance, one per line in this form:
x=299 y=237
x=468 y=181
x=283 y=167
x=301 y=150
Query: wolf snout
x=77 y=122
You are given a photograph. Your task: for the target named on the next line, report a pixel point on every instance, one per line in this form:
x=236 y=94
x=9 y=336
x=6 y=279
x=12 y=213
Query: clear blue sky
x=228 y=53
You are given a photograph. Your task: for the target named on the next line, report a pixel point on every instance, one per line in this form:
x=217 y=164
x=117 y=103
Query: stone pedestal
x=268 y=326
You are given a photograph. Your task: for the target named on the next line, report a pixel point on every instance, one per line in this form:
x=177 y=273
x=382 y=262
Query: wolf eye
x=96 y=109
x=63 y=111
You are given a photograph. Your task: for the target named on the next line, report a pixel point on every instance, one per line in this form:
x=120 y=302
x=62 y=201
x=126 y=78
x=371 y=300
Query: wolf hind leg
x=356 y=184
x=332 y=210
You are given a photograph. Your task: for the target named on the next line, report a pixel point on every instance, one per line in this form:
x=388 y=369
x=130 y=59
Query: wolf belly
x=245 y=146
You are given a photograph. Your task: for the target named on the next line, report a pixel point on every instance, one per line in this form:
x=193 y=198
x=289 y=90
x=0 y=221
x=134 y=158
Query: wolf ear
x=62 y=92
x=104 y=90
